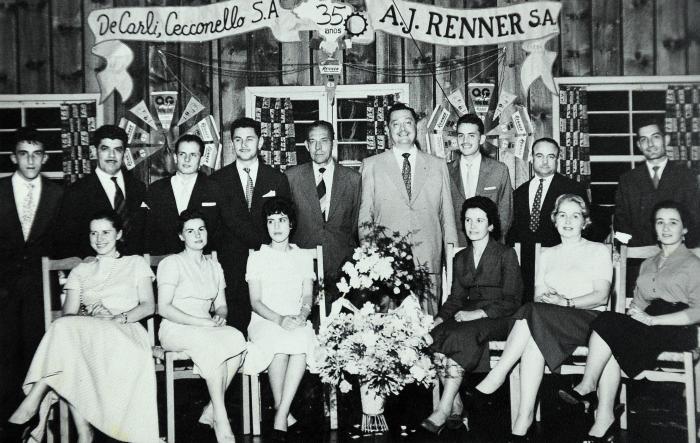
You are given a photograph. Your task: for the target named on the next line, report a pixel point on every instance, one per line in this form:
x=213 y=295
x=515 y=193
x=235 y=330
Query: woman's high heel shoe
x=611 y=432
x=431 y=427
x=588 y=401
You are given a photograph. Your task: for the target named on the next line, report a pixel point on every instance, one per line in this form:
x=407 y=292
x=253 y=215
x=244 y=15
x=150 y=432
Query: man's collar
x=329 y=167
x=253 y=165
x=104 y=176
x=661 y=164
x=545 y=179
x=17 y=176
x=474 y=159
x=186 y=177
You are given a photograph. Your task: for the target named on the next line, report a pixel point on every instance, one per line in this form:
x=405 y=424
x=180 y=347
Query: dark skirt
x=635 y=345
x=467 y=342
x=557 y=330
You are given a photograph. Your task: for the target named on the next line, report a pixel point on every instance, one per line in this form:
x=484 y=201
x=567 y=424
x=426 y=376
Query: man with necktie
x=244 y=186
x=29 y=205
x=473 y=173
x=654 y=180
x=110 y=187
x=327 y=197
x=408 y=190
x=533 y=205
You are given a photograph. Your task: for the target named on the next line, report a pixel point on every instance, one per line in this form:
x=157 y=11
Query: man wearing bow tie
x=244 y=187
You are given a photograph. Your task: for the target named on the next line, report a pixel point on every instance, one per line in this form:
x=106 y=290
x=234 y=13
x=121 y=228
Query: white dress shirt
x=182 y=184
x=20 y=191
x=108 y=184
x=398 y=154
x=244 y=176
x=532 y=189
x=661 y=166
x=328 y=180
x=471 y=166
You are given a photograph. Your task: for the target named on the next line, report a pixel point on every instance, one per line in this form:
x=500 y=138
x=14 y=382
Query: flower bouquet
x=384 y=351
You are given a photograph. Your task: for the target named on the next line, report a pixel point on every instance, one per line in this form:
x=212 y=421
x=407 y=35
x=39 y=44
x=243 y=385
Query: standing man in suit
x=476 y=174
x=109 y=187
x=29 y=205
x=408 y=191
x=655 y=180
x=533 y=205
x=244 y=186
x=187 y=189
x=327 y=198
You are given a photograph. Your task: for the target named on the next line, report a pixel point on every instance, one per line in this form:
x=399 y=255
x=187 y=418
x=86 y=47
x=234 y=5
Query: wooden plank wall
x=45 y=47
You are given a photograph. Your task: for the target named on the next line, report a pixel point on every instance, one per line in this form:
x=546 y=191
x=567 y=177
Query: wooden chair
x=65 y=265
x=676 y=367
x=172 y=373
x=330 y=406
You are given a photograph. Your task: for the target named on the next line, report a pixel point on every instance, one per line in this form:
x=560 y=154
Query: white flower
x=407 y=356
x=418 y=373
x=345 y=387
x=355 y=282
x=343 y=286
x=397 y=291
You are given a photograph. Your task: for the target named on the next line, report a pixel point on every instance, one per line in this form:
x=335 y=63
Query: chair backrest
x=316 y=254
x=626 y=253
x=47 y=266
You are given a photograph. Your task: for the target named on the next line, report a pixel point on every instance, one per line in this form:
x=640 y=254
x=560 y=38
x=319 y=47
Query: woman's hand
x=98 y=310
x=553 y=298
x=289 y=322
x=469 y=315
x=641 y=316
x=218 y=320
x=436 y=322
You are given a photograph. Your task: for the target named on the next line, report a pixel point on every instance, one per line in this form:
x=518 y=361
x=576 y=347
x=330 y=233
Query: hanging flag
x=164 y=102
x=457 y=99
x=193 y=107
x=505 y=98
x=141 y=111
x=206 y=130
x=480 y=97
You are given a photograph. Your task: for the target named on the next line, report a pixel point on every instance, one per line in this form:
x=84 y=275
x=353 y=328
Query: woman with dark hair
x=486 y=289
x=190 y=286
x=97 y=357
x=571 y=289
x=665 y=307
x=280 y=279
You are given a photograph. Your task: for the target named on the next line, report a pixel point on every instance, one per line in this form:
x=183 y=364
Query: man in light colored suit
x=476 y=174
x=327 y=198
x=408 y=191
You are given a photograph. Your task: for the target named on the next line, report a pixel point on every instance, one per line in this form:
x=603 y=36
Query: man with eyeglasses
x=655 y=180
x=245 y=185
x=187 y=189
x=29 y=205
x=327 y=197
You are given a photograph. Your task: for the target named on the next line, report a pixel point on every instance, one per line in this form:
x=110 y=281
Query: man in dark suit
x=29 y=205
x=187 y=189
x=244 y=186
x=533 y=206
x=475 y=174
x=655 y=180
x=327 y=199
x=109 y=187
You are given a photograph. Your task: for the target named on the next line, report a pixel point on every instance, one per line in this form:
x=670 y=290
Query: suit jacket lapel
x=261 y=185
x=309 y=187
x=456 y=176
x=394 y=173
x=42 y=215
x=484 y=171
x=236 y=186
x=421 y=174
x=100 y=195
x=197 y=195
x=15 y=224
x=337 y=190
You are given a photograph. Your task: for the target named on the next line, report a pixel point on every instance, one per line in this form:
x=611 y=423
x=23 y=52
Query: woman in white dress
x=280 y=279
x=97 y=357
x=190 y=286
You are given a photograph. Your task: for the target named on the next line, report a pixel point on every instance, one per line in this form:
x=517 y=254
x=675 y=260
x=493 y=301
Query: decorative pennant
x=505 y=99
x=480 y=97
x=114 y=76
x=164 y=102
x=193 y=107
x=538 y=64
x=141 y=111
x=206 y=130
x=129 y=160
x=456 y=98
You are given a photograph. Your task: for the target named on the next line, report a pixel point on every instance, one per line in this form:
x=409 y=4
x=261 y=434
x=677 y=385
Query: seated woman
x=666 y=303
x=190 y=284
x=571 y=288
x=97 y=357
x=486 y=289
x=280 y=279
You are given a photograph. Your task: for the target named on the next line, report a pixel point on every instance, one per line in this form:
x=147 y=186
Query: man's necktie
x=467 y=181
x=321 y=191
x=28 y=211
x=119 y=203
x=655 y=178
x=248 y=188
x=406 y=173
x=535 y=212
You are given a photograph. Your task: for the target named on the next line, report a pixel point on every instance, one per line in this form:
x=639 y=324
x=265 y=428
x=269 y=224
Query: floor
x=656 y=414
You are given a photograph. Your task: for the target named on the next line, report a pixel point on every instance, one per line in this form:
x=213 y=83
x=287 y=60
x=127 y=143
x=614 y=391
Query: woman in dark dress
x=486 y=289
x=571 y=289
x=666 y=304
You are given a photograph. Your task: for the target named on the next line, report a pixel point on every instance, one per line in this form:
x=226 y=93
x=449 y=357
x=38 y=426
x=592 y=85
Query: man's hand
x=469 y=315
x=218 y=320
